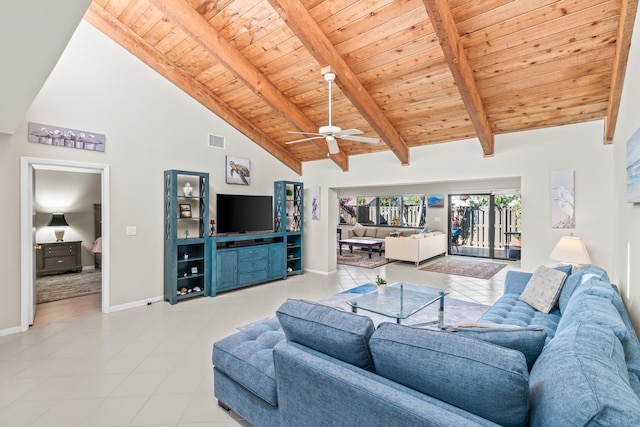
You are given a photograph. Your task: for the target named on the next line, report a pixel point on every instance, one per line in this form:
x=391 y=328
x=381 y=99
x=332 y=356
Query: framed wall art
x=65 y=137
x=435 y=201
x=238 y=171
x=563 y=213
x=633 y=168
x=315 y=202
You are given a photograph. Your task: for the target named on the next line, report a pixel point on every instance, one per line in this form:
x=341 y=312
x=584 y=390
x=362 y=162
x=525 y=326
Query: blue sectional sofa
x=314 y=365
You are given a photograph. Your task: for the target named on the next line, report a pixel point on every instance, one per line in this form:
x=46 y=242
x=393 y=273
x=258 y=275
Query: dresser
x=58 y=257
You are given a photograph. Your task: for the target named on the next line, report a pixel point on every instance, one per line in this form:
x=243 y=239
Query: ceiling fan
x=330 y=133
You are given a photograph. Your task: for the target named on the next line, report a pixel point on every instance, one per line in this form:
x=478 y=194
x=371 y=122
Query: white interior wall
x=530 y=155
x=626 y=216
x=150 y=126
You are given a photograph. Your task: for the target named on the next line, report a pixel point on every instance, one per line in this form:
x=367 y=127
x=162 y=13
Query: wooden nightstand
x=58 y=257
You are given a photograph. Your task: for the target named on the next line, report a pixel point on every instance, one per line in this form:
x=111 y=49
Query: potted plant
x=382 y=285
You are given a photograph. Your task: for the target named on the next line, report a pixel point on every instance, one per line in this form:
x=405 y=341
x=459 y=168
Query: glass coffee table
x=401 y=301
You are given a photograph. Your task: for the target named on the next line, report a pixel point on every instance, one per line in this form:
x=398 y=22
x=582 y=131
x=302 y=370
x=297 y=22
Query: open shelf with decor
x=288 y=210
x=186 y=244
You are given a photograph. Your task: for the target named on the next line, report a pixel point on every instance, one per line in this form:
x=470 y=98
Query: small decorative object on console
x=187 y=189
x=382 y=285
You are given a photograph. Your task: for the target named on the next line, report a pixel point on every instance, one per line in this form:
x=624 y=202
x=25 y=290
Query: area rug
x=361 y=259
x=459 y=267
x=455 y=310
x=62 y=286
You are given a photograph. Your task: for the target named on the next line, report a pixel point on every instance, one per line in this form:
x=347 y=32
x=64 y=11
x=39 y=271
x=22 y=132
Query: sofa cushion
x=370 y=232
x=479 y=377
x=543 y=288
x=529 y=341
x=580 y=378
x=577 y=278
x=381 y=233
x=338 y=333
x=247 y=358
x=510 y=310
x=358 y=230
x=586 y=308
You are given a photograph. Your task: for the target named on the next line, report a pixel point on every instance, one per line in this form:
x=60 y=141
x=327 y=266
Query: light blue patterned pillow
x=543 y=289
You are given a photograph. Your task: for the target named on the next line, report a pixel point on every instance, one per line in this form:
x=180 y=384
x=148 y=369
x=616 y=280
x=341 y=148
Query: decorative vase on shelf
x=187 y=189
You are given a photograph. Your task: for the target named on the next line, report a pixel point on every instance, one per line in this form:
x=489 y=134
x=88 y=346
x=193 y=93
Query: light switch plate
x=131 y=230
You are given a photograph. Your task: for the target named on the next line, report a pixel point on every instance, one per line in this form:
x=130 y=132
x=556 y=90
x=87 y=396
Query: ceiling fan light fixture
x=332 y=144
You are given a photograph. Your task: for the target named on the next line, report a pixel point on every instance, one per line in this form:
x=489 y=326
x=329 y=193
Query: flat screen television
x=239 y=213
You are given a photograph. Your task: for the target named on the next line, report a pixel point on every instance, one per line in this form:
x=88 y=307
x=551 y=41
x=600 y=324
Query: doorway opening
x=32 y=229
x=485 y=225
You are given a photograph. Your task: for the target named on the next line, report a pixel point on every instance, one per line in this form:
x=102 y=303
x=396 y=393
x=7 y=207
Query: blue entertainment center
x=197 y=265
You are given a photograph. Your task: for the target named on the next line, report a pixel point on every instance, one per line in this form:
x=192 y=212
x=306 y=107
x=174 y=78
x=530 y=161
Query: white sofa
x=417 y=247
x=377 y=233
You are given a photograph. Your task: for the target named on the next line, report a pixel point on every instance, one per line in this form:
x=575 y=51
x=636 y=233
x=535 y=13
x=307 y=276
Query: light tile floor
x=151 y=366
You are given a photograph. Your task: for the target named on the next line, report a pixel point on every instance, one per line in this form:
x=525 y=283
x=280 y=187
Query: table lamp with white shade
x=571 y=250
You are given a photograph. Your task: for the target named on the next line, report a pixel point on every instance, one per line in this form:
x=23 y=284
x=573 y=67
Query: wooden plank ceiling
x=409 y=72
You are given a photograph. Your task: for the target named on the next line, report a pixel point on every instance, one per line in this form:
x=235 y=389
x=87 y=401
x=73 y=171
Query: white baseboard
x=324 y=273
x=134 y=304
x=10 y=331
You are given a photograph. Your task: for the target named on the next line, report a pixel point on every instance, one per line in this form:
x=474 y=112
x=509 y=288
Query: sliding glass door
x=485 y=225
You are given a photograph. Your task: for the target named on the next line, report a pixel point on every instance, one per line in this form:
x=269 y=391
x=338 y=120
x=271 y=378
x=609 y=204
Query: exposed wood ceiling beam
x=198 y=28
x=122 y=35
x=628 y=10
x=445 y=28
x=299 y=20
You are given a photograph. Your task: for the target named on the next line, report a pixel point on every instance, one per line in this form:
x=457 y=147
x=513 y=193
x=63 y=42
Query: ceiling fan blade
x=360 y=139
x=304 y=139
x=349 y=132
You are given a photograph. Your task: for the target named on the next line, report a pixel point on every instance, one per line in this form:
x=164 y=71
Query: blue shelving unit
x=187 y=249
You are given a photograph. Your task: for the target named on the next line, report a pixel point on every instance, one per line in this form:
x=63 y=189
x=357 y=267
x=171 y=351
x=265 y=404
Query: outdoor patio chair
x=455 y=235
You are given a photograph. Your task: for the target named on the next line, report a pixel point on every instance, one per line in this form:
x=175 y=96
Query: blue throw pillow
x=338 y=333
x=577 y=278
x=479 y=377
x=529 y=341
x=591 y=309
